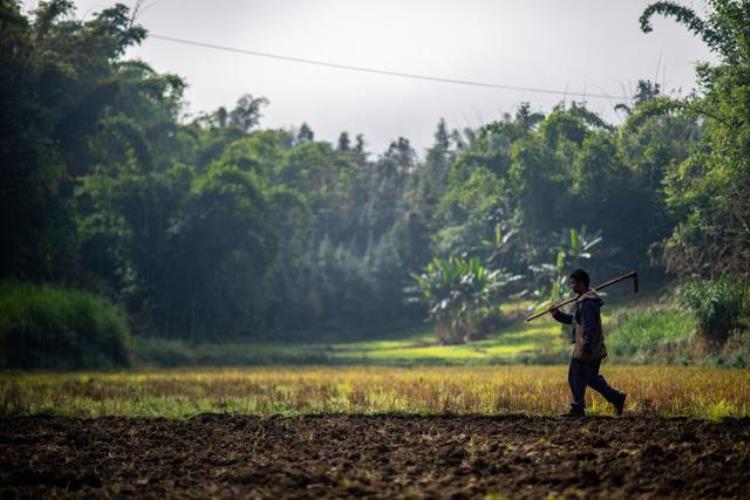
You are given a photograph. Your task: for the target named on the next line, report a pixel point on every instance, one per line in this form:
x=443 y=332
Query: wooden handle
x=631 y=274
x=560 y=304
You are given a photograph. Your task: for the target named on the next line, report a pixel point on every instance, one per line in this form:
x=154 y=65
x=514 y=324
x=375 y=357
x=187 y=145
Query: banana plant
x=456 y=291
x=574 y=247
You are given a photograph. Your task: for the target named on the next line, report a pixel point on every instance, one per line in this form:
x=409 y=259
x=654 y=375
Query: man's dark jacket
x=587 y=327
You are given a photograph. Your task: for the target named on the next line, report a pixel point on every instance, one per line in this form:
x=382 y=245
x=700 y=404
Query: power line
x=382 y=71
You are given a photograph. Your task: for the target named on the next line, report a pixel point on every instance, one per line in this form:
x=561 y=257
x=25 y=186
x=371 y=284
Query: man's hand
x=560 y=316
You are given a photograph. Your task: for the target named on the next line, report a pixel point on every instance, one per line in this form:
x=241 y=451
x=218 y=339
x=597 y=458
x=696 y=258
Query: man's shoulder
x=590 y=298
x=588 y=304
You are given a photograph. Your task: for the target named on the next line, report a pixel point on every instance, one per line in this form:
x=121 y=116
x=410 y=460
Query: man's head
x=579 y=281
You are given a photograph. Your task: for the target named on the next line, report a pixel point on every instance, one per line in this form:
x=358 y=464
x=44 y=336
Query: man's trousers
x=586 y=373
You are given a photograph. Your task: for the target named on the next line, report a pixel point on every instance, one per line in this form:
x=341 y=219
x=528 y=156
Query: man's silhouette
x=589 y=347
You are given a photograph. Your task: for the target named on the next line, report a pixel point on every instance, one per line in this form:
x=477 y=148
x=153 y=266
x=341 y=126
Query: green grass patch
x=646 y=333
x=637 y=334
x=518 y=342
x=634 y=334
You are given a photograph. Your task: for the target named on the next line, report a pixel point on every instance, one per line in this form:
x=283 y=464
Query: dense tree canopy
x=217 y=228
x=708 y=188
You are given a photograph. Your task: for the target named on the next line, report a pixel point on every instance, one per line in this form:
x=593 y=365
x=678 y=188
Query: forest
x=215 y=228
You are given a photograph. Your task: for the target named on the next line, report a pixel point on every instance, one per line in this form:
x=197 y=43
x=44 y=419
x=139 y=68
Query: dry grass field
x=706 y=393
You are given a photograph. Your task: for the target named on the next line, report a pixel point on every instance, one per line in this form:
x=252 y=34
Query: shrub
x=645 y=333
x=716 y=304
x=51 y=327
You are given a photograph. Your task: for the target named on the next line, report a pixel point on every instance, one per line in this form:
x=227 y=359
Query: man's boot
x=619 y=403
x=574 y=412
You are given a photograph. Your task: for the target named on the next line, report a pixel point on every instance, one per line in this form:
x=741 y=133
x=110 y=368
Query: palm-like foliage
x=574 y=247
x=457 y=291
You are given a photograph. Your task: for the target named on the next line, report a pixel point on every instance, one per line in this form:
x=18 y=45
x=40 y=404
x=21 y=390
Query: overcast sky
x=591 y=46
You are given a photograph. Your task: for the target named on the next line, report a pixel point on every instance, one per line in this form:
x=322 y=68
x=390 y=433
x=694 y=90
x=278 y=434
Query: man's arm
x=561 y=316
x=589 y=321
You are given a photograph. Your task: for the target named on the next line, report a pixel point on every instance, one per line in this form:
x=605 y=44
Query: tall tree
x=708 y=189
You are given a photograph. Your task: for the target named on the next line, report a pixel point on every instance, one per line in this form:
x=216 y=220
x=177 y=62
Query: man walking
x=589 y=347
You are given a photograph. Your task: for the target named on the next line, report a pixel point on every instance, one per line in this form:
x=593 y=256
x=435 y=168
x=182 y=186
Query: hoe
x=631 y=274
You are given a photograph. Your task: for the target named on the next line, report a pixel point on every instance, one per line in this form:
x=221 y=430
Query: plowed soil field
x=374 y=456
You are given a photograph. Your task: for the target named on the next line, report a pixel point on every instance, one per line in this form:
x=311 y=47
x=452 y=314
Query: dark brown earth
x=383 y=456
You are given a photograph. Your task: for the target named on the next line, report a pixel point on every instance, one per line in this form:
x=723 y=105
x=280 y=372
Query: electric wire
x=400 y=74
